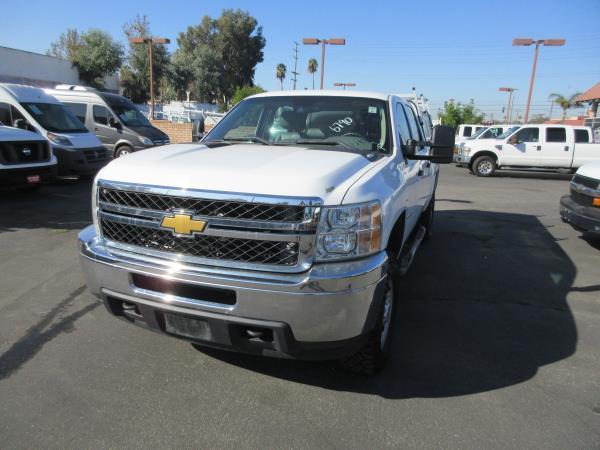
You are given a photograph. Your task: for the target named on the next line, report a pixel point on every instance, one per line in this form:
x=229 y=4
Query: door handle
x=95 y=128
x=420 y=173
x=538 y=147
x=566 y=148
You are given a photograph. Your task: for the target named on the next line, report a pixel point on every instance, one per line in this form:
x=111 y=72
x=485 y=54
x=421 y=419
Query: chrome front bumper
x=460 y=159
x=329 y=302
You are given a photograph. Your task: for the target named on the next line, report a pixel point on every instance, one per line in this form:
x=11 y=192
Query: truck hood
x=16 y=134
x=243 y=168
x=591 y=170
x=82 y=140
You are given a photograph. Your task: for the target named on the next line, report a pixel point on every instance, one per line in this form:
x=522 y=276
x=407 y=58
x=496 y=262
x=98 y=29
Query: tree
x=135 y=75
x=454 y=114
x=245 y=91
x=95 y=54
x=66 y=45
x=564 y=102
x=312 y=68
x=280 y=72
x=222 y=54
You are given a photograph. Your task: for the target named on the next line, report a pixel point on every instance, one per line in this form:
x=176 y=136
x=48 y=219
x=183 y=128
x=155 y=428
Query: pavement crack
x=37 y=335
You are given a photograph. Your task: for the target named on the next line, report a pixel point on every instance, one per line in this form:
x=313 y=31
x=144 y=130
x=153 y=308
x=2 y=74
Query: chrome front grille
x=242 y=231
x=216 y=247
x=203 y=207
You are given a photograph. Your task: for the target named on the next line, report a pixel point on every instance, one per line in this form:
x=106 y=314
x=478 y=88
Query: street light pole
x=509 y=106
x=527 y=42
x=150 y=41
x=323 y=42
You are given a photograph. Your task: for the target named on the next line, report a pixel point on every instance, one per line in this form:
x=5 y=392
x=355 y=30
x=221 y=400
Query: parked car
x=121 y=127
x=492 y=132
x=26 y=159
x=283 y=240
x=466 y=130
x=581 y=207
x=531 y=147
x=77 y=150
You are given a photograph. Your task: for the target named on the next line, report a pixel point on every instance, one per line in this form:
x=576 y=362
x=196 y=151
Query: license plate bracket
x=191 y=327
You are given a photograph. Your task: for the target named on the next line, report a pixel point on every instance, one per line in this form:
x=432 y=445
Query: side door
x=426 y=170
x=107 y=134
x=585 y=150
x=408 y=169
x=521 y=148
x=556 y=151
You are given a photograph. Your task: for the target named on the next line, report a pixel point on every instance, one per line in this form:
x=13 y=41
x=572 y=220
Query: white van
x=77 y=150
x=466 y=130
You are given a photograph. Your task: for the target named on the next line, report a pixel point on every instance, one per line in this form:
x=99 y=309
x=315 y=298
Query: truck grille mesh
x=223 y=248
x=203 y=207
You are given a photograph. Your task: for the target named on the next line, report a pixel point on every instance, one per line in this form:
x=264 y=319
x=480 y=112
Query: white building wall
x=22 y=67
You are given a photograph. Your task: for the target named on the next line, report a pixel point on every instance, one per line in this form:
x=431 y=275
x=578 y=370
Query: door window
x=100 y=115
x=556 y=135
x=5 y=114
x=581 y=136
x=79 y=109
x=491 y=133
x=467 y=131
x=402 y=124
x=412 y=123
x=528 y=135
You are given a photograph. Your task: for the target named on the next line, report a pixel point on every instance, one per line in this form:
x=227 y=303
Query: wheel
x=123 y=150
x=370 y=359
x=484 y=166
x=427 y=218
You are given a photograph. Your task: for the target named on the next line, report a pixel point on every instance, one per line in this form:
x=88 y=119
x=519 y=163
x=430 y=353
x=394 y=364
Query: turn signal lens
x=596 y=201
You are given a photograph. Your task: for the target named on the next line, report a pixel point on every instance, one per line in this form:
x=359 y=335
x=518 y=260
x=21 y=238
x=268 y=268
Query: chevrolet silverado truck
x=581 y=207
x=531 y=147
x=282 y=233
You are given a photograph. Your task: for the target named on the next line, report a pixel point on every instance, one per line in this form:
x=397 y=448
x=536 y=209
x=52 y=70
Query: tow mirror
x=441 y=146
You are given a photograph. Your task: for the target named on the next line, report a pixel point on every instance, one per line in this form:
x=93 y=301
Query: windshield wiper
x=308 y=142
x=252 y=139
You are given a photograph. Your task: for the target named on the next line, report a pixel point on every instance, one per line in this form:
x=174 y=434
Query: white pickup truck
x=532 y=147
x=282 y=233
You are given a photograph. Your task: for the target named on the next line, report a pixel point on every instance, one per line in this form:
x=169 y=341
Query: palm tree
x=280 y=73
x=312 y=68
x=564 y=102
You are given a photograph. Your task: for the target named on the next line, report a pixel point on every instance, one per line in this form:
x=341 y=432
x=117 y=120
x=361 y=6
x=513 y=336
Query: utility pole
x=344 y=85
x=527 y=42
x=323 y=42
x=150 y=41
x=510 y=104
x=295 y=72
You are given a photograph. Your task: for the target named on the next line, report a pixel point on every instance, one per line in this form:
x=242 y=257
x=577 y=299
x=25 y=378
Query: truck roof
x=326 y=93
x=23 y=93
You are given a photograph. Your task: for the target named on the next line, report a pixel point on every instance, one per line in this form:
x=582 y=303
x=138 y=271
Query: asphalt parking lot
x=497 y=343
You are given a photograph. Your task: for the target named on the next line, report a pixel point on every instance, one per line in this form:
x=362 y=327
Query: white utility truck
x=282 y=233
x=531 y=147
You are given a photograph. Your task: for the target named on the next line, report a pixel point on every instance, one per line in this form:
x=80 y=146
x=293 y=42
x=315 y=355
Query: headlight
x=60 y=140
x=146 y=141
x=466 y=151
x=349 y=231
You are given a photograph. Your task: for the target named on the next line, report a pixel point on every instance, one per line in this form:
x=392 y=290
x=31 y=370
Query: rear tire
x=484 y=166
x=371 y=358
x=123 y=150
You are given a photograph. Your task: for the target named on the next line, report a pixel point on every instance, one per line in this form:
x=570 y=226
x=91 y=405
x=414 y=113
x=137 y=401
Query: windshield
x=55 y=117
x=477 y=133
x=129 y=115
x=345 y=122
x=508 y=132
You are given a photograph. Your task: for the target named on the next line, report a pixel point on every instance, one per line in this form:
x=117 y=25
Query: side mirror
x=20 y=123
x=441 y=145
x=113 y=123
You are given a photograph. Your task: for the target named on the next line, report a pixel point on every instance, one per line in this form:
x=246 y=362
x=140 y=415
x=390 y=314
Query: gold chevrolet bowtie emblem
x=183 y=224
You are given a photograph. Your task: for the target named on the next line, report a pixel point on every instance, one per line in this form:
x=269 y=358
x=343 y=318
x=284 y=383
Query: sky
x=448 y=50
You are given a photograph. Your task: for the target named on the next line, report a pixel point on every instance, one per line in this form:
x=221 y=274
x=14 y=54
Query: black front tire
x=484 y=166
x=123 y=150
x=372 y=357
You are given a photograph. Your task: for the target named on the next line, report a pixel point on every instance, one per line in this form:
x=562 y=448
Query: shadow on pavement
x=62 y=205
x=533 y=175
x=484 y=308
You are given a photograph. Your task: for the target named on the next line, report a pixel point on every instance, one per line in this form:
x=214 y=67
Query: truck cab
x=78 y=151
x=282 y=233
x=532 y=147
